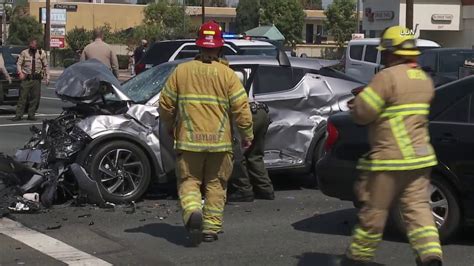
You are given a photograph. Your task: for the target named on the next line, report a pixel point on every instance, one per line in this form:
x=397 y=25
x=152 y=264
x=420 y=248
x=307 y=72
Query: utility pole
x=4 y=23
x=409 y=14
x=203 y=6
x=47 y=31
x=358 y=17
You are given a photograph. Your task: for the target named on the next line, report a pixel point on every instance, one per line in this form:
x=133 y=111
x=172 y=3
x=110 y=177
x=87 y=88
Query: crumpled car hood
x=82 y=81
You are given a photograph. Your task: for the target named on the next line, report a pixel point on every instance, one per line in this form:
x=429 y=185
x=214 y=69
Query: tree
x=22 y=28
x=287 y=15
x=247 y=15
x=170 y=21
x=341 y=20
x=78 y=38
x=312 y=4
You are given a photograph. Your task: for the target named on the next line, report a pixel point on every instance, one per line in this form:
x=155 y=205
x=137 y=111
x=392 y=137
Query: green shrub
x=123 y=61
x=68 y=62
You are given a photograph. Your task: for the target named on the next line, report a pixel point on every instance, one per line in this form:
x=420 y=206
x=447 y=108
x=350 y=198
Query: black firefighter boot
x=240 y=196
x=194 y=227
x=429 y=262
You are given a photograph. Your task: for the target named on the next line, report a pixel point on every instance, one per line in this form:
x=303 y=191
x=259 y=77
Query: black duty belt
x=34 y=77
x=254 y=107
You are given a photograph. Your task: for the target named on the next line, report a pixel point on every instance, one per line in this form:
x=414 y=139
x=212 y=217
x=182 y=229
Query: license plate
x=13 y=92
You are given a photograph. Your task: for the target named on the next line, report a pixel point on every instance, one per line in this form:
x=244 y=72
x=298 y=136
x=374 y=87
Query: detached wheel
x=121 y=169
x=444 y=207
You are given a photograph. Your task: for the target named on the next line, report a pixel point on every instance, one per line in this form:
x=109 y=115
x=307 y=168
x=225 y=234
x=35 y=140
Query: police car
x=170 y=50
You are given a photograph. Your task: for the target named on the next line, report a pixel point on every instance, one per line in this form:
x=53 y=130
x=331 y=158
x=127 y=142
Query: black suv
x=443 y=63
x=166 y=51
x=11 y=92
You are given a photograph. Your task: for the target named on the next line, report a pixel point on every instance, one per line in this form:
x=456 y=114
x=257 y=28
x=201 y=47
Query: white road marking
x=20 y=124
x=37 y=115
x=51 y=98
x=47 y=245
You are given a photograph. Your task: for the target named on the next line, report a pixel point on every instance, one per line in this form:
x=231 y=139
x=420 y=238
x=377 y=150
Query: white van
x=362 y=59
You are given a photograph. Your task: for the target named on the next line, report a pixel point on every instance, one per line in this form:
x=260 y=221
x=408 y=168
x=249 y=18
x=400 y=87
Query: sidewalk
x=124 y=74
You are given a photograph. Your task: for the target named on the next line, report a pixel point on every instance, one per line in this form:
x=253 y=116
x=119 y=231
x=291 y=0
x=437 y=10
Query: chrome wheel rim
x=439 y=205
x=120 y=172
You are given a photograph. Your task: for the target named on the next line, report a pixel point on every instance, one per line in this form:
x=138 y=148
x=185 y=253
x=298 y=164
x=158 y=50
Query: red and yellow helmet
x=210 y=36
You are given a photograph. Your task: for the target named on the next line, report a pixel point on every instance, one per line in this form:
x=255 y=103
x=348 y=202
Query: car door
x=452 y=136
x=295 y=98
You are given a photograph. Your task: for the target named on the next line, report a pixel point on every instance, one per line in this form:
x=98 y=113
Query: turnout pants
x=254 y=173
x=379 y=191
x=30 y=91
x=212 y=171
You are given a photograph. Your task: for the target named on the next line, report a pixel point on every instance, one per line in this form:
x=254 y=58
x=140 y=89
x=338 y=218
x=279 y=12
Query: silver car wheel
x=439 y=205
x=121 y=172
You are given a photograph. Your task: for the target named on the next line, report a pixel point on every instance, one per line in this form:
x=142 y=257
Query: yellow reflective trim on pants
x=432 y=251
x=360 y=251
x=360 y=232
x=191 y=206
x=423 y=232
x=190 y=197
x=372 y=99
x=407 y=109
x=427 y=245
x=215 y=211
x=397 y=165
x=401 y=136
x=423 y=229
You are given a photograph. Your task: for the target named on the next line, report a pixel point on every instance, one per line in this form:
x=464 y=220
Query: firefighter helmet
x=399 y=40
x=210 y=36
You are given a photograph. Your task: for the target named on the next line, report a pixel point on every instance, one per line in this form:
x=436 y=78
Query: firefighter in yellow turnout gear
x=197 y=104
x=395 y=106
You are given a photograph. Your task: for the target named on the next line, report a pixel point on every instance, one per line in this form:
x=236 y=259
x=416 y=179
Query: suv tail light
x=139 y=68
x=357 y=90
x=333 y=135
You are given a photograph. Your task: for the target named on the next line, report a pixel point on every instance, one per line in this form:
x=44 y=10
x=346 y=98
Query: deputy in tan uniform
x=101 y=51
x=198 y=103
x=7 y=77
x=32 y=67
x=395 y=106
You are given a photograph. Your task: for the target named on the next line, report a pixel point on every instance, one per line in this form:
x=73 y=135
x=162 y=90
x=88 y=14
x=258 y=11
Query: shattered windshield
x=148 y=84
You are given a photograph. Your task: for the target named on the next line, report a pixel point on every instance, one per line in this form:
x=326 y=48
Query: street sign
x=58 y=31
x=68 y=7
x=57 y=42
x=357 y=36
x=58 y=16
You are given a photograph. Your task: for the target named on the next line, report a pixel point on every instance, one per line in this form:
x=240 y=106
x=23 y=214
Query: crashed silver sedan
x=113 y=130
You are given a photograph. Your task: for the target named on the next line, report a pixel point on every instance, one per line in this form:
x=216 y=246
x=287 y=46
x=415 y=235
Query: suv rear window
x=355 y=52
x=371 y=53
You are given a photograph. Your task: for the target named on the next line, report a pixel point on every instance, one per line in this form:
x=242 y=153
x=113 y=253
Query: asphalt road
x=301 y=227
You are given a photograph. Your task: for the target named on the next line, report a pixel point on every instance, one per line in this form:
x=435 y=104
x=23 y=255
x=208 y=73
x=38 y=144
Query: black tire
x=318 y=154
x=138 y=164
x=451 y=224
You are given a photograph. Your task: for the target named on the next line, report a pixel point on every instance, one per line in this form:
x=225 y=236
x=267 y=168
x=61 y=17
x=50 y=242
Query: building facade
x=448 y=22
x=122 y=14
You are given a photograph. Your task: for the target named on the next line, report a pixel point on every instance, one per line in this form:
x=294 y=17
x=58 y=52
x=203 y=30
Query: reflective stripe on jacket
x=396 y=106
x=199 y=102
